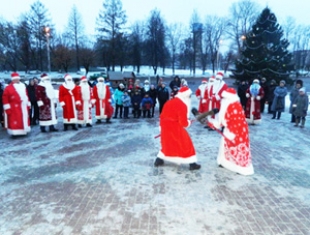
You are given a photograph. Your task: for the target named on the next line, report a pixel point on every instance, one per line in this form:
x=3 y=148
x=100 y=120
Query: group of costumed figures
x=76 y=102
x=219 y=109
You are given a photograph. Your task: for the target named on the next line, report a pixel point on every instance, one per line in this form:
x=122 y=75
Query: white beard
x=49 y=89
x=216 y=86
x=146 y=88
x=69 y=85
x=101 y=89
x=85 y=91
x=21 y=90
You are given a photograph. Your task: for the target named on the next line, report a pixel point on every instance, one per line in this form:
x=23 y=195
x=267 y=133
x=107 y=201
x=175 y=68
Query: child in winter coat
x=136 y=101
x=126 y=103
x=300 y=107
x=146 y=104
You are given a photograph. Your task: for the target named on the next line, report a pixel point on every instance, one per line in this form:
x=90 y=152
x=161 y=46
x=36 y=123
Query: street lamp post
x=47 y=34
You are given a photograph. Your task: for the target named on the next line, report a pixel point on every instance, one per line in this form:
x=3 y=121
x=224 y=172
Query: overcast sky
x=172 y=10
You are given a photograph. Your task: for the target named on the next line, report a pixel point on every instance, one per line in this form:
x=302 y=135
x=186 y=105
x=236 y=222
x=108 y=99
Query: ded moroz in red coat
x=217 y=89
x=68 y=99
x=201 y=94
x=102 y=96
x=234 y=152
x=85 y=94
x=252 y=110
x=46 y=99
x=16 y=107
x=176 y=144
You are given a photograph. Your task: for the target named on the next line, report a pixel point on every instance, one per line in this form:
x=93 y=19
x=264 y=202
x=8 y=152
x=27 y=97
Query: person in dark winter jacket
x=146 y=105
x=293 y=95
x=272 y=87
x=175 y=82
x=136 y=101
x=153 y=94
x=263 y=100
x=34 y=109
x=300 y=107
x=162 y=96
x=242 y=88
x=278 y=103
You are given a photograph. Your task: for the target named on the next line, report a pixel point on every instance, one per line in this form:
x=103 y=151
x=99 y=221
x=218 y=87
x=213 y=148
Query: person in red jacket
x=16 y=106
x=201 y=94
x=176 y=144
x=102 y=95
x=87 y=99
x=68 y=99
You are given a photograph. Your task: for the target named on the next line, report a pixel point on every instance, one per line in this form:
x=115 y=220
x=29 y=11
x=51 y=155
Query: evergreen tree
x=264 y=52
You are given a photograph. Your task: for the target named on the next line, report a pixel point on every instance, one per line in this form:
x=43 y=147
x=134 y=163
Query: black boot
x=274 y=115
x=158 y=162
x=53 y=129
x=88 y=125
x=74 y=127
x=42 y=128
x=79 y=126
x=194 y=166
x=108 y=121
x=98 y=121
x=65 y=127
x=279 y=115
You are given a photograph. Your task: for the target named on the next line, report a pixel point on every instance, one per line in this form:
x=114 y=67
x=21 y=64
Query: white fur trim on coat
x=40 y=103
x=62 y=103
x=229 y=135
x=258 y=97
x=247 y=95
x=6 y=106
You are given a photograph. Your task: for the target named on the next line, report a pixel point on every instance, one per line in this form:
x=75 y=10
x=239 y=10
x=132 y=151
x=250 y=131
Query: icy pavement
x=101 y=181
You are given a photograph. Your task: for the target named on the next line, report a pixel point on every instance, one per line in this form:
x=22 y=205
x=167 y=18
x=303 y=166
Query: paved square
x=101 y=181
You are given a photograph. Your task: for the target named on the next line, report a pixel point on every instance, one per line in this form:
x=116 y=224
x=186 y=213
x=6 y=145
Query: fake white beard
x=101 y=90
x=49 y=89
x=70 y=85
x=146 y=87
x=216 y=85
x=85 y=91
x=21 y=90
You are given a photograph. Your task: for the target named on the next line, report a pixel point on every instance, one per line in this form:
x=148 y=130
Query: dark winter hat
x=273 y=81
x=282 y=81
x=300 y=82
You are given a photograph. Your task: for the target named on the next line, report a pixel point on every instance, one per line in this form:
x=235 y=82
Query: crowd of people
x=24 y=106
x=256 y=96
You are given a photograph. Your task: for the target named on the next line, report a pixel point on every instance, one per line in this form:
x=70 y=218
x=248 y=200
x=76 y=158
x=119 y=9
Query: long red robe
x=216 y=93
x=104 y=108
x=201 y=95
x=234 y=152
x=252 y=109
x=16 y=107
x=68 y=99
x=47 y=105
x=176 y=144
x=87 y=101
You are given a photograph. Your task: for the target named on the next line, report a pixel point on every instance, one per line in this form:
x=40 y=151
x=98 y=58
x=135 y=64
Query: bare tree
x=214 y=30
x=62 y=58
x=37 y=19
x=243 y=15
x=87 y=58
x=136 y=45
x=109 y=24
x=75 y=31
x=155 y=41
x=174 y=36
